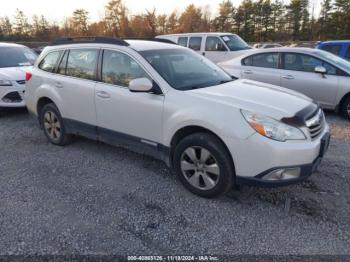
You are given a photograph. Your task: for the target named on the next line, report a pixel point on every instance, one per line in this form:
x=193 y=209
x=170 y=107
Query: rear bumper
x=306 y=170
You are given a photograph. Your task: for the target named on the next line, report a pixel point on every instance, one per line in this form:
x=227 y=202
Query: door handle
x=58 y=85
x=103 y=94
x=248 y=72
x=289 y=77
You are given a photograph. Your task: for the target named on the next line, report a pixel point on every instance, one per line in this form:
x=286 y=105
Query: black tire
x=63 y=138
x=345 y=108
x=219 y=154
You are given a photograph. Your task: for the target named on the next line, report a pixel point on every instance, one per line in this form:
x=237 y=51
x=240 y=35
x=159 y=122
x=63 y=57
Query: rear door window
x=195 y=43
x=48 y=64
x=334 y=49
x=183 y=41
x=266 y=60
x=82 y=63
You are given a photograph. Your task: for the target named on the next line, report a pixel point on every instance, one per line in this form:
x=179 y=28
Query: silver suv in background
x=318 y=74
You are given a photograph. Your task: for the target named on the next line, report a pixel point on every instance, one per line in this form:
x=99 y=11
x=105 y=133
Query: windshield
x=336 y=60
x=183 y=69
x=235 y=43
x=16 y=56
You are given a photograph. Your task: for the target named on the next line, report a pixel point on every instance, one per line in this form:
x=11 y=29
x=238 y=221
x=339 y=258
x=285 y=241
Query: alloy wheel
x=200 y=168
x=52 y=125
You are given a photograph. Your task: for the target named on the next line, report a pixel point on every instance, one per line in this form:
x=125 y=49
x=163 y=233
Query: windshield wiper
x=225 y=81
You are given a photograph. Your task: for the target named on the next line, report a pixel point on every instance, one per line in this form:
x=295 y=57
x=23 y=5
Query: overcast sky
x=56 y=10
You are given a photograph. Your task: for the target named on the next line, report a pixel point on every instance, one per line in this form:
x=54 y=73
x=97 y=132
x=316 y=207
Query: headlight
x=5 y=83
x=272 y=128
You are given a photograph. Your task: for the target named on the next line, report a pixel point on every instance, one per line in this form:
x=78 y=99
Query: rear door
x=299 y=74
x=262 y=67
x=75 y=83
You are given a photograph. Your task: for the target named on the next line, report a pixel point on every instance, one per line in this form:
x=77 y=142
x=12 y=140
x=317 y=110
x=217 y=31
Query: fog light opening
x=283 y=174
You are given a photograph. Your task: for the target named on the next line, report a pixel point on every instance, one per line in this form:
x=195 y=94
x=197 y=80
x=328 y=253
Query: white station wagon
x=171 y=103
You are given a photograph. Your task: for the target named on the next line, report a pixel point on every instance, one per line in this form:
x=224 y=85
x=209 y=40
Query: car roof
x=138 y=45
x=198 y=34
x=335 y=42
x=10 y=45
x=282 y=49
x=143 y=45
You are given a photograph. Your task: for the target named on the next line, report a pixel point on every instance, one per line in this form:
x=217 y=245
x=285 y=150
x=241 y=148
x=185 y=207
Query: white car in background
x=167 y=101
x=217 y=47
x=15 y=60
x=322 y=76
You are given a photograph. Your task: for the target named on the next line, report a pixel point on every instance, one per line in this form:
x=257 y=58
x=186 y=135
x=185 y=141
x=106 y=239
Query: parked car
x=318 y=74
x=267 y=45
x=340 y=48
x=171 y=103
x=217 y=47
x=15 y=60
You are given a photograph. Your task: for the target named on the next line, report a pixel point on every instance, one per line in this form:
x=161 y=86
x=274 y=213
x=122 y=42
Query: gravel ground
x=91 y=198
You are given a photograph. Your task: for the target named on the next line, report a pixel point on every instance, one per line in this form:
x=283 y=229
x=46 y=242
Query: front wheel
x=203 y=165
x=52 y=123
x=345 y=110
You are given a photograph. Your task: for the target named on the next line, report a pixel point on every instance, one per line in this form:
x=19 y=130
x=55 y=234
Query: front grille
x=316 y=124
x=21 y=82
x=12 y=97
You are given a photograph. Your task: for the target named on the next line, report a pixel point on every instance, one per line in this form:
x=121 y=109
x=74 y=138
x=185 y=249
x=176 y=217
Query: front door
x=124 y=117
x=299 y=74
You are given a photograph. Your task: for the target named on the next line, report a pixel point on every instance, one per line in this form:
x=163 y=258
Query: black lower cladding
x=133 y=143
x=14 y=97
x=305 y=170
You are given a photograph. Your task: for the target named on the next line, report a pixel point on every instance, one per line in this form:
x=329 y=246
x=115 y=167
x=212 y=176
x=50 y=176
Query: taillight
x=28 y=76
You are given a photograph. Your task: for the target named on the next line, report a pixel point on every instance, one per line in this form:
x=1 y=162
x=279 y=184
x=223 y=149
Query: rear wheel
x=345 y=109
x=52 y=123
x=203 y=165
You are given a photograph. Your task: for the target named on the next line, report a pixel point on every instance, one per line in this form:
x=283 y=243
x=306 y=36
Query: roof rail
x=89 y=39
x=161 y=40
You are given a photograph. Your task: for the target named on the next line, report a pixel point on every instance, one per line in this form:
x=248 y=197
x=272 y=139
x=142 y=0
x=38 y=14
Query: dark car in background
x=340 y=48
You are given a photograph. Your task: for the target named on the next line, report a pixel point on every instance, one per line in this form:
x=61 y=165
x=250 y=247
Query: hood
x=273 y=101
x=14 y=73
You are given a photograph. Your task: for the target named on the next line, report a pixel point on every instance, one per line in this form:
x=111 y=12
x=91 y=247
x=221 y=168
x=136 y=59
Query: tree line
x=253 y=20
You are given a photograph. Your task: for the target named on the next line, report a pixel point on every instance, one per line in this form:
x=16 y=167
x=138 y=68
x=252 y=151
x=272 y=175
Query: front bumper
x=304 y=171
x=12 y=96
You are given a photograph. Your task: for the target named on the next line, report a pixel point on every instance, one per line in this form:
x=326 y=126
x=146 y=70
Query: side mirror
x=143 y=85
x=320 y=70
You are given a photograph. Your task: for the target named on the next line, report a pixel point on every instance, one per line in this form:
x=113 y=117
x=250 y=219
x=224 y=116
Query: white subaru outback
x=169 y=102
